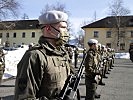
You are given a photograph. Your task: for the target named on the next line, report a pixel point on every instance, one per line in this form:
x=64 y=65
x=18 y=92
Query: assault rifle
x=70 y=88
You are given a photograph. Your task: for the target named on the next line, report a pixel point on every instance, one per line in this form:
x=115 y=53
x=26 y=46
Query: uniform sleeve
x=29 y=76
x=89 y=62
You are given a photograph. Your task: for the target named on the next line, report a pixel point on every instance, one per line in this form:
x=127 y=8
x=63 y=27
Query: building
x=113 y=31
x=19 y=32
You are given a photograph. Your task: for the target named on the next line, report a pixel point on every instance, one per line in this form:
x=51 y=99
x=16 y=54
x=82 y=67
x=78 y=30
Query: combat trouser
x=91 y=86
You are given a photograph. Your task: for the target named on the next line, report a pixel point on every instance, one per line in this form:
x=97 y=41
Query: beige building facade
x=18 y=37
x=108 y=35
x=23 y=32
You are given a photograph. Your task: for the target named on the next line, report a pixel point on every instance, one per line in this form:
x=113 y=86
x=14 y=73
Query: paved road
x=119 y=85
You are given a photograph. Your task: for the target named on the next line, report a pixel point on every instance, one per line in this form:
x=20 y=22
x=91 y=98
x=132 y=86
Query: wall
x=89 y=33
x=19 y=40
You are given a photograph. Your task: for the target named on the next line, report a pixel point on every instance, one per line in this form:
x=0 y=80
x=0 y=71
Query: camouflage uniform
x=41 y=72
x=90 y=73
x=109 y=59
x=76 y=57
x=100 y=67
x=131 y=52
x=105 y=63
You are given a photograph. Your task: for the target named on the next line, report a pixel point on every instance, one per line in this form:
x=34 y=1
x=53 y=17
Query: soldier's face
x=96 y=46
x=60 y=30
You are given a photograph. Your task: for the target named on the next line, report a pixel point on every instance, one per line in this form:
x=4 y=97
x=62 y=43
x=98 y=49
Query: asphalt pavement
x=118 y=85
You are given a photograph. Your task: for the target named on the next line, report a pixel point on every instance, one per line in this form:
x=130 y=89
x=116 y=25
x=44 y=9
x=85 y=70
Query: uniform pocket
x=55 y=77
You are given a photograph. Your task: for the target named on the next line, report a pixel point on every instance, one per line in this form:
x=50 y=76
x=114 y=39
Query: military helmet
x=92 y=41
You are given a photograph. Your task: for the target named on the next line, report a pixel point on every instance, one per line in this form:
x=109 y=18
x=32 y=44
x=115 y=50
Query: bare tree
x=117 y=10
x=25 y=16
x=8 y=8
x=57 y=6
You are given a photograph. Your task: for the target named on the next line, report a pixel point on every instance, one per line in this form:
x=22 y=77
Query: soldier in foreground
x=91 y=70
x=43 y=69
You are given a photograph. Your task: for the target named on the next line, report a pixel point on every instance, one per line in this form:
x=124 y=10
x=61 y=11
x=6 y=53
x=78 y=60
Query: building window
x=96 y=34
x=131 y=33
x=14 y=35
x=23 y=35
x=33 y=34
x=122 y=46
x=122 y=34
x=7 y=35
x=108 y=45
x=108 y=34
x=14 y=44
x=0 y=35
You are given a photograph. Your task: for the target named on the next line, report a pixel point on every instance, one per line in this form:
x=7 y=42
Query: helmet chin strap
x=55 y=37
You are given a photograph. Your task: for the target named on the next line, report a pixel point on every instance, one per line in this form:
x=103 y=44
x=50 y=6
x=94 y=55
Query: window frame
x=108 y=45
x=7 y=35
x=131 y=34
x=14 y=35
x=33 y=35
x=108 y=34
x=96 y=34
x=23 y=35
x=122 y=46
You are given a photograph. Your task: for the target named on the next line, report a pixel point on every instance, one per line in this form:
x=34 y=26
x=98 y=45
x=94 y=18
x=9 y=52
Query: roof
x=18 y=24
x=110 y=22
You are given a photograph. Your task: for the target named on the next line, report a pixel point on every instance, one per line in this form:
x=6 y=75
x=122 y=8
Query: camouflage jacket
x=41 y=72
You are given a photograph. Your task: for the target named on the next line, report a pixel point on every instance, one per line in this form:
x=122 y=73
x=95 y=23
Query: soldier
x=84 y=52
x=109 y=58
x=91 y=71
x=100 y=64
x=104 y=60
x=131 y=52
x=2 y=64
x=76 y=56
x=113 y=56
x=42 y=71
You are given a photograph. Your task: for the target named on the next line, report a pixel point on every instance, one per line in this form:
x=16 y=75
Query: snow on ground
x=11 y=60
x=122 y=55
x=13 y=57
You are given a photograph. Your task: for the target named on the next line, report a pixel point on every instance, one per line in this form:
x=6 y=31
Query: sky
x=80 y=10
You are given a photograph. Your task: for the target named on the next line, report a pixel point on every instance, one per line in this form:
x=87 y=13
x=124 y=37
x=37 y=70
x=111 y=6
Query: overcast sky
x=80 y=10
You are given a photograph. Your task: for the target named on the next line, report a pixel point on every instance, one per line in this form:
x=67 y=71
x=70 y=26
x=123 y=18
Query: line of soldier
x=102 y=63
x=98 y=63
x=73 y=53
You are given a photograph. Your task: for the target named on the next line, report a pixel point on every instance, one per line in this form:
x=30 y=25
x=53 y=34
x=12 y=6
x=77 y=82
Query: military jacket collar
x=50 y=49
